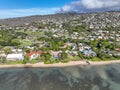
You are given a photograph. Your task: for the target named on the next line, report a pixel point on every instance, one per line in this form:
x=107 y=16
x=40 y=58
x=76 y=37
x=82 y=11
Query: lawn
x=35 y=34
x=25 y=42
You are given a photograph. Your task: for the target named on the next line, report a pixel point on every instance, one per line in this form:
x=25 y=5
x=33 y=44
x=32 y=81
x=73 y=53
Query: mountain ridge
x=111 y=17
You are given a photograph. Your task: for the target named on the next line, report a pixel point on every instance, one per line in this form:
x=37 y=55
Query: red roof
x=34 y=52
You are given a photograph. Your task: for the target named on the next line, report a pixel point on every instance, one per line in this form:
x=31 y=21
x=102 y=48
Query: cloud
x=91 y=6
x=66 y=8
x=8 y=13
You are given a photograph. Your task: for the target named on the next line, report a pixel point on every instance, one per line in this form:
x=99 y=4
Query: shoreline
x=71 y=63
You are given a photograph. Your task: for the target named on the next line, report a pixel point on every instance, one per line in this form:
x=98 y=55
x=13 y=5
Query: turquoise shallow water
x=64 y=78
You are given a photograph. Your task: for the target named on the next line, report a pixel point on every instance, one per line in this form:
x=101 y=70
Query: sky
x=19 y=8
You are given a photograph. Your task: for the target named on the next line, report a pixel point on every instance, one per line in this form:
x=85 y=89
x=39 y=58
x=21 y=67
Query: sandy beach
x=71 y=63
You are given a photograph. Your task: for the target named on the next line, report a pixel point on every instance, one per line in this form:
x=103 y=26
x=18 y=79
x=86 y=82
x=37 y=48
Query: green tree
x=80 y=55
x=46 y=57
x=3 y=60
x=64 y=55
x=7 y=51
x=15 y=42
x=27 y=50
x=1 y=47
x=26 y=59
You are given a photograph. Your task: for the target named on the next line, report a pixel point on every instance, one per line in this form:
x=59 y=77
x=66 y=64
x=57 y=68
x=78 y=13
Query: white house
x=17 y=50
x=14 y=57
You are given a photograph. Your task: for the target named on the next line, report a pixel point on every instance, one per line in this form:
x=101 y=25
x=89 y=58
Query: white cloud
x=66 y=8
x=7 y=13
x=92 y=5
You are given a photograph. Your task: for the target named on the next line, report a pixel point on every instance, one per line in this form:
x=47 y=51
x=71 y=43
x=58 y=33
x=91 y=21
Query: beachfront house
x=34 y=54
x=89 y=53
x=56 y=54
x=14 y=57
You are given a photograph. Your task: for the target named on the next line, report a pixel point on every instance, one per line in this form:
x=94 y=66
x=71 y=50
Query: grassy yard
x=25 y=42
x=36 y=34
x=13 y=62
x=73 y=58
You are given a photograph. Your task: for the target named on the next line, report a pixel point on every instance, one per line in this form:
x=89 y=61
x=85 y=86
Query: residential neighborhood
x=61 y=38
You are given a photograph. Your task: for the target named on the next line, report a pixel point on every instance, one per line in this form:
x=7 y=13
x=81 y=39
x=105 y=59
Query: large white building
x=14 y=57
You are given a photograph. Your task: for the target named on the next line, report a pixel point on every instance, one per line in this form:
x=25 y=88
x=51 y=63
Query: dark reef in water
x=106 y=77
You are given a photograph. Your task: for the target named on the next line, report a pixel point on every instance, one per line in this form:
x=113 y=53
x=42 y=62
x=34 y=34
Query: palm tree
x=81 y=55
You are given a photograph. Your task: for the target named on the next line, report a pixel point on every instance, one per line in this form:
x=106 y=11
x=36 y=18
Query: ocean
x=104 y=77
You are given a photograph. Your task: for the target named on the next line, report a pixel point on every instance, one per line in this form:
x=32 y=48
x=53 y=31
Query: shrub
x=24 y=61
x=95 y=59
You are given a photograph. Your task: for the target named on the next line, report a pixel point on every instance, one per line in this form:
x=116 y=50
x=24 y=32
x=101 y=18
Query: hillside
x=92 y=20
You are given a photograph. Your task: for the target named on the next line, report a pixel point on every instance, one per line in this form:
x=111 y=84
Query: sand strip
x=71 y=63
